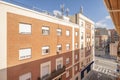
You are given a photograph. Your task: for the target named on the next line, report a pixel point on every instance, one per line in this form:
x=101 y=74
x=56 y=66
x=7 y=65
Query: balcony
x=54 y=74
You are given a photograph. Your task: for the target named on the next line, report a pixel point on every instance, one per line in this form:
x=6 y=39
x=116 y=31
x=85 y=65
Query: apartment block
x=86 y=42
x=38 y=46
x=101 y=37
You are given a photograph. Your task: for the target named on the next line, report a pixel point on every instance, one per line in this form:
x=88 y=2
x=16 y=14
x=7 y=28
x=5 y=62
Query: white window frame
x=67 y=33
x=25 y=76
x=67 y=47
x=45 y=28
x=76 y=68
x=76 y=45
x=25 y=28
x=59 y=60
x=67 y=74
x=58 y=46
x=76 y=56
x=24 y=53
x=82 y=24
x=67 y=60
x=76 y=33
x=59 y=32
x=82 y=46
x=43 y=65
x=45 y=48
x=82 y=35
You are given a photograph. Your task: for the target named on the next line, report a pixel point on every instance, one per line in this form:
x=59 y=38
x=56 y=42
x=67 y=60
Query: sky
x=93 y=9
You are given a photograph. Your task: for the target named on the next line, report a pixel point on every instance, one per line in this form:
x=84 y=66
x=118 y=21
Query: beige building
x=86 y=40
x=101 y=37
x=38 y=46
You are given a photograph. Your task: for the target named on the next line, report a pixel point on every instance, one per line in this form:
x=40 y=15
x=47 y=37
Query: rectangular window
x=81 y=64
x=24 y=28
x=59 y=32
x=81 y=45
x=67 y=46
x=82 y=35
x=82 y=24
x=76 y=45
x=45 y=30
x=76 y=56
x=76 y=33
x=45 y=69
x=59 y=48
x=67 y=60
x=59 y=63
x=67 y=74
x=45 y=50
x=26 y=76
x=24 y=53
x=76 y=68
x=67 y=33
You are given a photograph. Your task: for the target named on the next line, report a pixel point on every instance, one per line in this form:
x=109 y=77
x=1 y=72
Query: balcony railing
x=54 y=74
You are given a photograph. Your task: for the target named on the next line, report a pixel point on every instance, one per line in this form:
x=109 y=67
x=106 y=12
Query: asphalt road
x=106 y=66
x=94 y=75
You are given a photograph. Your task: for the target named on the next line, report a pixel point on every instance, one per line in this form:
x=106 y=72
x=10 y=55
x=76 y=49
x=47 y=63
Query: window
x=26 y=76
x=76 y=56
x=67 y=74
x=24 y=53
x=45 y=30
x=59 y=63
x=59 y=32
x=81 y=64
x=45 y=69
x=81 y=45
x=59 y=48
x=76 y=68
x=82 y=24
x=82 y=35
x=76 y=33
x=45 y=50
x=24 y=28
x=67 y=33
x=76 y=45
x=67 y=46
x=81 y=54
x=67 y=60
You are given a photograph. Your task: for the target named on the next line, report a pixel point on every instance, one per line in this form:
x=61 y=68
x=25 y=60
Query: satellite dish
x=57 y=13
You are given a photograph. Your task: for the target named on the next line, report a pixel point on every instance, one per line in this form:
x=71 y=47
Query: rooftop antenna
x=81 y=9
x=67 y=11
x=62 y=9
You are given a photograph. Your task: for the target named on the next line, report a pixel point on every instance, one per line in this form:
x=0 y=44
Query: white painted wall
x=3 y=44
